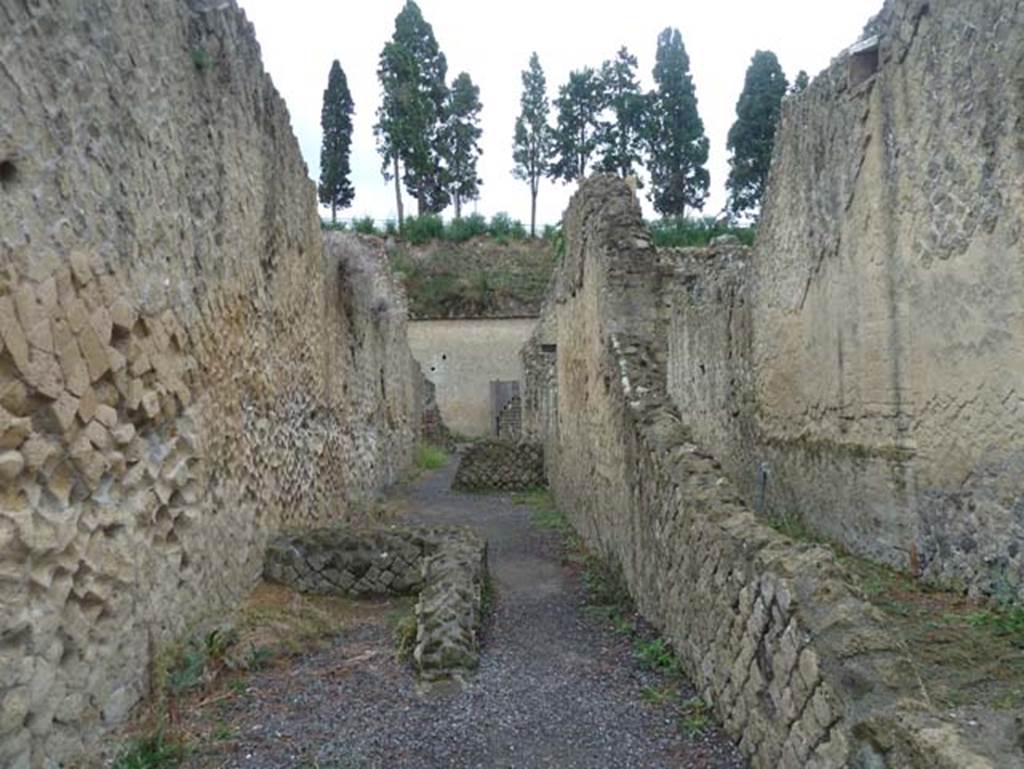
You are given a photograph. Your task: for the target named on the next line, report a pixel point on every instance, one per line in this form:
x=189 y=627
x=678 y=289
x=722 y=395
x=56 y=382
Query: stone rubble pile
x=501 y=466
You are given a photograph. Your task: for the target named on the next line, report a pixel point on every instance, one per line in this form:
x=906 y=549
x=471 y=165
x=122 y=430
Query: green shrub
x=430 y=457
x=461 y=230
x=364 y=226
x=333 y=226
x=690 y=233
x=390 y=228
x=504 y=227
x=423 y=229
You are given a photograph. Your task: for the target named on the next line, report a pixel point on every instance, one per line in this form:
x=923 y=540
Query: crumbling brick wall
x=184 y=366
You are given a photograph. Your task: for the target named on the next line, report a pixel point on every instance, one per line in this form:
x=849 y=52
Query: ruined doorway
x=502 y=394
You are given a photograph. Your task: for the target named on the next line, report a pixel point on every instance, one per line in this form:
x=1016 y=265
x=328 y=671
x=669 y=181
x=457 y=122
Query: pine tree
x=531 y=146
x=801 y=82
x=335 y=188
x=752 y=136
x=620 y=139
x=579 y=105
x=461 y=137
x=677 y=146
x=412 y=74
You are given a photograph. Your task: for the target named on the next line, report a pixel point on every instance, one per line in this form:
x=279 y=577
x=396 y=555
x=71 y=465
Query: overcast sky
x=492 y=41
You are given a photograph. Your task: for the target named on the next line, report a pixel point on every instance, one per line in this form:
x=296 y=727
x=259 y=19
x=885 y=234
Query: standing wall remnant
x=184 y=366
x=798 y=667
x=864 y=371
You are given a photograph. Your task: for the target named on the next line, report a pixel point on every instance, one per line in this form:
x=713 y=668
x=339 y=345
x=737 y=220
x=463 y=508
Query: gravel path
x=555 y=688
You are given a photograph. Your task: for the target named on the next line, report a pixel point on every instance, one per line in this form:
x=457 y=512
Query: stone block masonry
x=500 y=466
x=445 y=565
x=801 y=671
x=184 y=366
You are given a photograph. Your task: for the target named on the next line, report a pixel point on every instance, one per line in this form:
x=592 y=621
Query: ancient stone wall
x=184 y=366
x=799 y=668
x=446 y=566
x=862 y=371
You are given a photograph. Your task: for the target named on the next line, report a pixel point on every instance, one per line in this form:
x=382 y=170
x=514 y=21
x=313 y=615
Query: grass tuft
x=694 y=718
x=154 y=751
x=430 y=457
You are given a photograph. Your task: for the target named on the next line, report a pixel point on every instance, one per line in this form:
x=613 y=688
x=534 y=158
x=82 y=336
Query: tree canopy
x=532 y=144
x=461 y=141
x=579 y=106
x=752 y=136
x=677 y=146
x=412 y=73
x=621 y=138
x=335 y=188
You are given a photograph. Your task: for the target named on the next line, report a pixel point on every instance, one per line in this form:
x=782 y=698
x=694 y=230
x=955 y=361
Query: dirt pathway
x=555 y=688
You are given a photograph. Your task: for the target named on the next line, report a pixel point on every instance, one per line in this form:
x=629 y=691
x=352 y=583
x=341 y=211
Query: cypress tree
x=412 y=73
x=461 y=141
x=423 y=170
x=335 y=188
x=579 y=105
x=752 y=136
x=677 y=146
x=531 y=146
x=621 y=138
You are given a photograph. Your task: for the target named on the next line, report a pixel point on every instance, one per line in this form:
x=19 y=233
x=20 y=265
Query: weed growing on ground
x=486 y=597
x=694 y=717
x=660 y=695
x=430 y=457
x=968 y=651
x=404 y=626
x=198 y=661
x=154 y=751
x=1005 y=622
x=260 y=657
x=655 y=654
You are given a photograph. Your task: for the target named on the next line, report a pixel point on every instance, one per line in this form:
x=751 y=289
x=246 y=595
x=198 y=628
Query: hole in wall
x=864 y=61
x=8 y=173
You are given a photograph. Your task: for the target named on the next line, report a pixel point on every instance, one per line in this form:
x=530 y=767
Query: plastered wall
x=462 y=357
x=863 y=369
